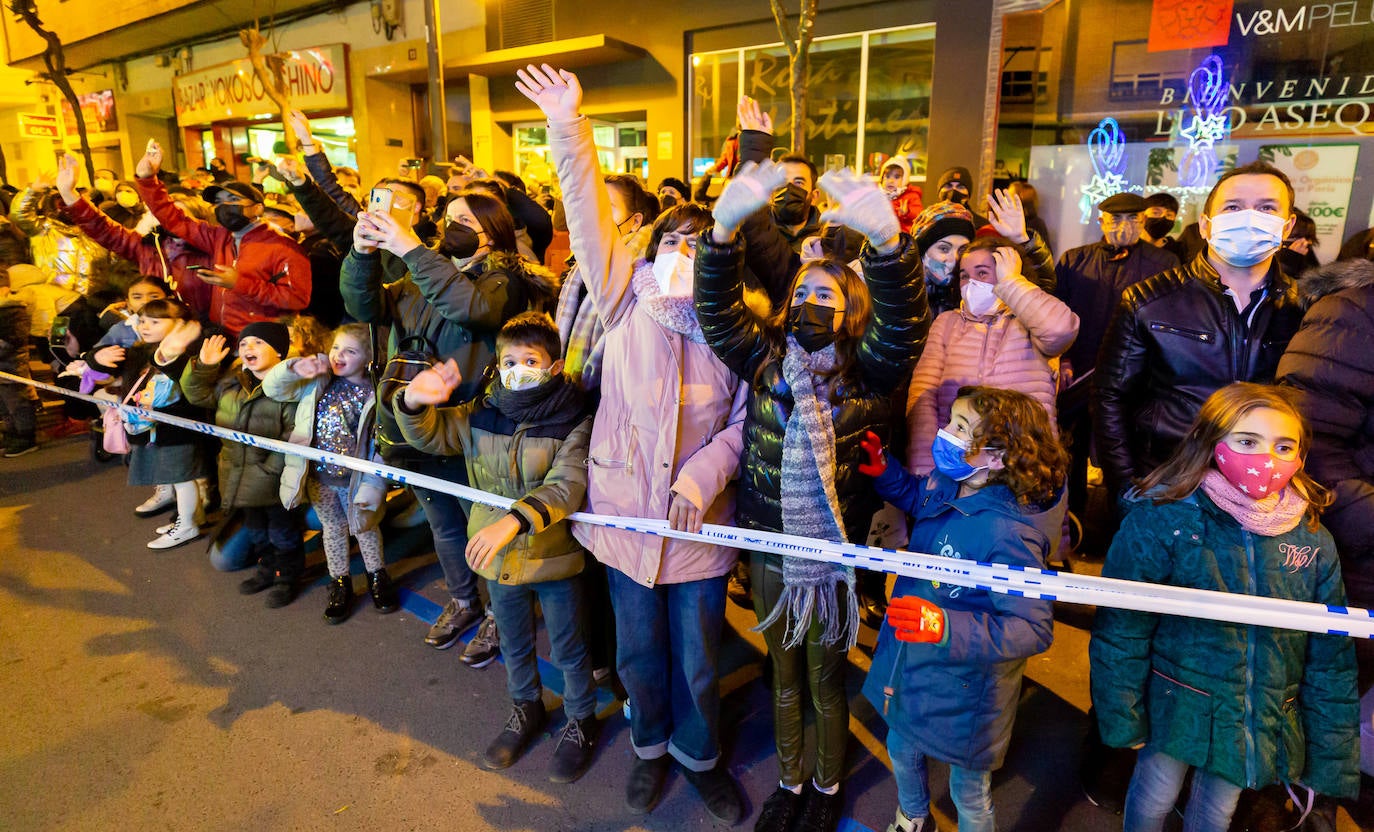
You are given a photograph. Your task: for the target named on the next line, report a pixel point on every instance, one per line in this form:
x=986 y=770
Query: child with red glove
x=947 y=671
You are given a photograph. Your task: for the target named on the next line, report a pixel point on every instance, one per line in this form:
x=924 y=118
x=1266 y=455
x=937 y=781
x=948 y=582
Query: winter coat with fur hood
x=1328 y=364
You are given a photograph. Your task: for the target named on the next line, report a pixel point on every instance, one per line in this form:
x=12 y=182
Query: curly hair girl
x=1034 y=462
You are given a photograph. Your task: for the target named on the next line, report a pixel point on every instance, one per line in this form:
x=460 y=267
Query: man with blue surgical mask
x=1179 y=336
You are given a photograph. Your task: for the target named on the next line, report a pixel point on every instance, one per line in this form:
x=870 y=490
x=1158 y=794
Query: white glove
x=750 y=189
x=861 y=205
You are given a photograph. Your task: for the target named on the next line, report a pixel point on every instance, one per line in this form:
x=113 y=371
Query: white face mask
x=979 y=298
x=1245 y=238
x=522 y=377
x=673 y=271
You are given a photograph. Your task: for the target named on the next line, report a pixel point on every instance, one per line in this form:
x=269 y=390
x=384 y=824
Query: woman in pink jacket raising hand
x=665 y=444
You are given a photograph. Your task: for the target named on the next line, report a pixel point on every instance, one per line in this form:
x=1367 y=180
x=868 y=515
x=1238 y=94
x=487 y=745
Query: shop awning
x=569 y=53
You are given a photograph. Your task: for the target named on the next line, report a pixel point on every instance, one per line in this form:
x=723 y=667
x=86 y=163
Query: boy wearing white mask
x=1179 y=336
x=526 y=438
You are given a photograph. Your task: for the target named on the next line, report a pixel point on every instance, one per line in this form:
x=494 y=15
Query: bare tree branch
x=56 y=62
x=789 y=40
x=798 y=46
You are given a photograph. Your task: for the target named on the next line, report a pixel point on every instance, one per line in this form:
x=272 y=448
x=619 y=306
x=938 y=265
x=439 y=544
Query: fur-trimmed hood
x=542 y=284
x=1317 y=283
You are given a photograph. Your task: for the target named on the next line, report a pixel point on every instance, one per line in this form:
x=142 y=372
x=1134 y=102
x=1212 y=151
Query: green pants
x=822 y=666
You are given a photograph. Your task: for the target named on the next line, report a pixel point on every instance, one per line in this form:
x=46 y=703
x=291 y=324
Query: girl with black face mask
x=823 y=370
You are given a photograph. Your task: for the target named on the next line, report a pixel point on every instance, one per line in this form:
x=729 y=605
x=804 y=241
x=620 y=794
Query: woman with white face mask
x=1007 y=332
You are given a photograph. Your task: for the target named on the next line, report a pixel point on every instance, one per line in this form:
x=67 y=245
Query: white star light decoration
x=1099 y=188
x=1107 y=152
x=1204 y=131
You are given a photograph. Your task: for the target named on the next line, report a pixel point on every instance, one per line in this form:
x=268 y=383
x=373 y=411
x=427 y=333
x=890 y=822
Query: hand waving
x=297 y=123
x=67 y=169
x=557 y=92
x=862 y=206
x=752 y=117
x=151 y=162
x=1008 y=216
x=175 y=342
x=433 y=386
x=750 y=190
x=311 y=366
x=213 y=350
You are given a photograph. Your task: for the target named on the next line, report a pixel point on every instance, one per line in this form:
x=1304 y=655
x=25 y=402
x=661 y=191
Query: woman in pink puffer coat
x=1007 y=332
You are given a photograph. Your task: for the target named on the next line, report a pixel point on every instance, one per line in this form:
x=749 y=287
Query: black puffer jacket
x=1175 y=340
x=860 y=402
x=1091 y=283
x=1328 y=364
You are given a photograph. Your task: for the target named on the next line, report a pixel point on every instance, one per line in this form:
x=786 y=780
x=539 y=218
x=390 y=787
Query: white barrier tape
x=1003 y=578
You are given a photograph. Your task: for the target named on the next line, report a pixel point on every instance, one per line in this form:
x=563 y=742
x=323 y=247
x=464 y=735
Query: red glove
x=916 y=619
x=873 y=446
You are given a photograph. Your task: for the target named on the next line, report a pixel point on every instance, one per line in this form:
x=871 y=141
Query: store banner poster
x=1189 y=24
x=1322 y=176
x=316 y=80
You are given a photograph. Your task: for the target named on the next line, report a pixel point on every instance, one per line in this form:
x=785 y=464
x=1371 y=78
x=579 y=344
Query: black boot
x=289 y=564
x=261 y=579
x=340 y=599
x=573 y=754
x=525 y=722
x=383 y=591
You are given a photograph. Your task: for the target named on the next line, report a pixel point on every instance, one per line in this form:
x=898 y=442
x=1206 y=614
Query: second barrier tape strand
x=1033 y=583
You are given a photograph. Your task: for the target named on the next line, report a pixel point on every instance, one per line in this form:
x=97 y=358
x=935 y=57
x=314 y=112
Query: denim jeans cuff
x=650 y=752
x=691 y=763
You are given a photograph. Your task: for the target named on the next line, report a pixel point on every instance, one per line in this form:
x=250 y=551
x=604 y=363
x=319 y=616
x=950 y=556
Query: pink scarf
x=1273 y=515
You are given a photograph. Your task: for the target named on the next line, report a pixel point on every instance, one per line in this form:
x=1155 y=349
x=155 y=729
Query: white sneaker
x=176 y=535
x=163 y=498
x=166 y=527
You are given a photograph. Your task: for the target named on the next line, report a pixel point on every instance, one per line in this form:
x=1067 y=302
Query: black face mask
x=791 y=205
x=459 y=241
x=812 y=325
x=231 y=216
x=955 y=196
x=1158 y=227
x=667 y=201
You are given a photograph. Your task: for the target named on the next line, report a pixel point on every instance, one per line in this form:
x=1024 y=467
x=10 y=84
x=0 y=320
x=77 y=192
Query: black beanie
x=276 y=335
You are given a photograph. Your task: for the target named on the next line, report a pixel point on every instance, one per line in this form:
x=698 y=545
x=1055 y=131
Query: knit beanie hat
x=939 y=221
x=275 y=335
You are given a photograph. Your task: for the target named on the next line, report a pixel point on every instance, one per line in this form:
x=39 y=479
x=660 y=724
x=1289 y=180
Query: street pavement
x=141 y=691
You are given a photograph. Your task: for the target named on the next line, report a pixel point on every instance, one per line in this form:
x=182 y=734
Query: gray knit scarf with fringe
x=811 y=508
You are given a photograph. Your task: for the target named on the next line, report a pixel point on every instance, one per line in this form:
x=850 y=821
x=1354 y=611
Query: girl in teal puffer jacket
x=1243 y=706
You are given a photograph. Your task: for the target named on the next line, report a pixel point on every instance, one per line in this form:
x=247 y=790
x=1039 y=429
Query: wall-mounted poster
x=99 y=110
x=1322 y=176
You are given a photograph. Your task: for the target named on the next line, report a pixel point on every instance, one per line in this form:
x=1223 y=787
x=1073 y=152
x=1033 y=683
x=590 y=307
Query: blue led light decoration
x=1107 y=151
x=1208 y=126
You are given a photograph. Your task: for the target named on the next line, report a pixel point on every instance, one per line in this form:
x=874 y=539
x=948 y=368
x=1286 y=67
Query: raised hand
x=311 y=366
x=67 y=169
x=175 y=342
x=391 y=235
x=288 y=170
x=42 y=182
x=151 y=162
x=683 y=516
x=365 y=234
x=877 y=462
x=213 y=350
x=750 y=189
x=1008 y=262
x=556 y=92
x=1008 y=216
x=297 y=123
x=752 y=117
x=914 y=619
x=484 y=545
x=862 y=206
x=433 y=386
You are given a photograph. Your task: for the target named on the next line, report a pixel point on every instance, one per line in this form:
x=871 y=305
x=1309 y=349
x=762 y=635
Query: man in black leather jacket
x=1179 y=336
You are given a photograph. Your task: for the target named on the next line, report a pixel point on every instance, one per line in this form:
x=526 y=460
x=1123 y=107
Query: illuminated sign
x=1207 y=88
x=316 y=80
x=39 y=126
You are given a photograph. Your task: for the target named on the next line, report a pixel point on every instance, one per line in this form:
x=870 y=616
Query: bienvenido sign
x=1329 y=104
x=316 y=79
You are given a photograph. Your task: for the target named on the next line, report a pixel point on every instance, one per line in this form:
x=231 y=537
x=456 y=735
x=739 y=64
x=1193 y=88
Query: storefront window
x=1191 y=89
x=621 y=147
x=869 y=94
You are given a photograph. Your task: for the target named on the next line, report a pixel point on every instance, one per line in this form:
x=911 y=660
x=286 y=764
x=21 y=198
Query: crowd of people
x=791 y=356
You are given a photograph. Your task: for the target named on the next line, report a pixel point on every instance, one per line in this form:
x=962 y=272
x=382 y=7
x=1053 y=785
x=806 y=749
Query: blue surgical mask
x=1246 y=238
x=948 y=451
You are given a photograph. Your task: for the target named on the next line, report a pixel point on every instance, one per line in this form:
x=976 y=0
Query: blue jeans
x=970 y=790
x=561 y=602
x=448 y=522
x=1154 y=790
x=667 y=646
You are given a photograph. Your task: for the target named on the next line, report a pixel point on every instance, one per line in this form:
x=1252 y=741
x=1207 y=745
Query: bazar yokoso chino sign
x=316 y=80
